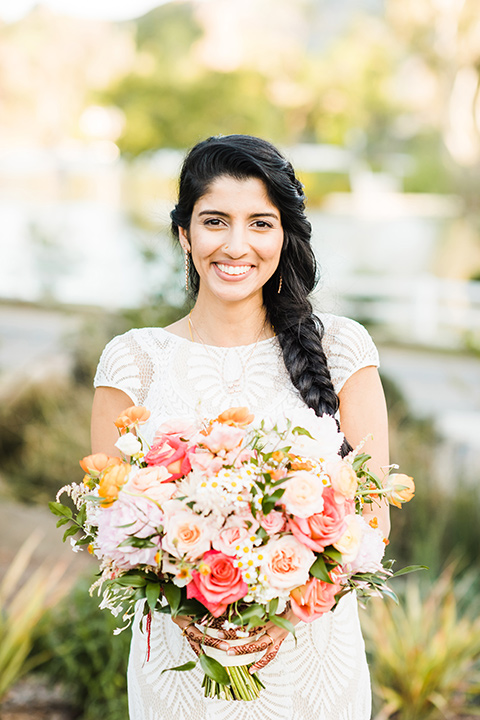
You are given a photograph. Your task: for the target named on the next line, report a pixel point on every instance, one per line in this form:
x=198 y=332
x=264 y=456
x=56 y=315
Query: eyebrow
x=253 y=215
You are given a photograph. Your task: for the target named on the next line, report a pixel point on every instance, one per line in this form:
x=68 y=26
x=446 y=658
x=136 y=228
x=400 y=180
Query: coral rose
x=95 y=464
x=400 y=488
x=170 y=452
x=313 y=599
x=131 y=418
x=219 y=583
x=286 y=563
x=303 y=494
x=322 y=529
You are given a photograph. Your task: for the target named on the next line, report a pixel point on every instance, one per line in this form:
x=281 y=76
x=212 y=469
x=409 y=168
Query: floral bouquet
x=229 y=522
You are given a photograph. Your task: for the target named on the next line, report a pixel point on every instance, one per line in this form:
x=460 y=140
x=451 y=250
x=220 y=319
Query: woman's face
x=235 y=238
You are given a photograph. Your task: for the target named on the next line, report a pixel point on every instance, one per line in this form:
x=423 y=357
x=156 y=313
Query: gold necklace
x=232 y=386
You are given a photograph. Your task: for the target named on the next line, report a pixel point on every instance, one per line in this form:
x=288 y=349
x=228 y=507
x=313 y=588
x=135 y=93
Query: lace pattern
x=325 y=677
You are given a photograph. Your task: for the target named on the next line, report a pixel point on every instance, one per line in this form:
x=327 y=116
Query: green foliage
x=86 y=657
x=25 y=597
x=425 y=651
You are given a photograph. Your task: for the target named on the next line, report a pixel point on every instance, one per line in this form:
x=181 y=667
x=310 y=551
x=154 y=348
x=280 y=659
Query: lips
x=234 y=270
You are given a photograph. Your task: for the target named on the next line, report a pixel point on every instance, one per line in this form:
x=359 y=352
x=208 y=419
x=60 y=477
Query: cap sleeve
x=348 y=347
x=118 y=367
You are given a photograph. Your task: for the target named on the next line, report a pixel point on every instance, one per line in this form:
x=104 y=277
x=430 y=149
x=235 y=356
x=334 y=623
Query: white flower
x=128 y=444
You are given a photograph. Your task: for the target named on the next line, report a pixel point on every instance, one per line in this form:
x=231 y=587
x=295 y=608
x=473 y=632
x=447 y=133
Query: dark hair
x=290 y=311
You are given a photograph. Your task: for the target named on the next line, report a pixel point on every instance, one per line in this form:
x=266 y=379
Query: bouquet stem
x=243 y=685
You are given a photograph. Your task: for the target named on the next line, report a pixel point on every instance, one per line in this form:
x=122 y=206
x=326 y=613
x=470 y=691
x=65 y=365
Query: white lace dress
x=325 y=677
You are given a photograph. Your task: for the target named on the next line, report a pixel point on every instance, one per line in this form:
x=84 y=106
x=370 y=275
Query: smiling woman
x=251 y=340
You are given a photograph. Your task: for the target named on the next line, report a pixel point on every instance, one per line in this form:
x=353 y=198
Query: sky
x=12 y=10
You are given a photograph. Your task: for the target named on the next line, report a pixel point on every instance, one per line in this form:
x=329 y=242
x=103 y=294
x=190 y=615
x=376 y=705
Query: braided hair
x=298 y=330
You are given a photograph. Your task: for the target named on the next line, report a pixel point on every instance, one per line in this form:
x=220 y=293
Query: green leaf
x=69 y=532
x=133 y=581
x=82 y=515
x=182 y=668
x=63 y=521
x=333 y=554
x=319 y=570
x=214 y=670
x=136 y=542
x=360 y=460
x=269 y=501
x=191 y=607
x=283 y=623
x=174 y=597
x=254 y=610
x=272 y=606
x=409 y=569
x=152 y=593
x=58 y=509
x=301 y=431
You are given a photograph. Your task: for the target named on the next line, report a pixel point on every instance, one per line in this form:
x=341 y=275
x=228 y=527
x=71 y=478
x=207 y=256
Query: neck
x=229 y=324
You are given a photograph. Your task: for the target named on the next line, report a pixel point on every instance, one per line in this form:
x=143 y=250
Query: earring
x=280 y=284
x=187 y=270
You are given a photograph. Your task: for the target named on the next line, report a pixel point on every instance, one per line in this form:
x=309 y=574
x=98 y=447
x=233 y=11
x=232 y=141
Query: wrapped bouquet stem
x=226 y=522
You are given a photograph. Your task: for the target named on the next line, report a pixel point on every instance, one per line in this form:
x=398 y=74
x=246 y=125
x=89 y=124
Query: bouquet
x=229 y=522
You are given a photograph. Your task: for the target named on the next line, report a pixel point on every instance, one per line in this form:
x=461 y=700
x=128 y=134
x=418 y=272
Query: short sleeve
x=119 y=367
x=348 y=347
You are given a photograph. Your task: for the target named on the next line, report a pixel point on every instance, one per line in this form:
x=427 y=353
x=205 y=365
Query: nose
x=236 y=245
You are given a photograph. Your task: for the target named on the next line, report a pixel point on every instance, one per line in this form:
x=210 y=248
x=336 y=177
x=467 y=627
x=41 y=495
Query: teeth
x=234 y=269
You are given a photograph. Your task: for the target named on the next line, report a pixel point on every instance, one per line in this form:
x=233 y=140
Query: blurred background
x=377 y=104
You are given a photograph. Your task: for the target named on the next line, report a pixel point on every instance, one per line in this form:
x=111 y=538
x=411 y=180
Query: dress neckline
x=259 y=343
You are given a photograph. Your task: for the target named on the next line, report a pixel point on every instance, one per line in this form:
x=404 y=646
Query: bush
x=86 y=658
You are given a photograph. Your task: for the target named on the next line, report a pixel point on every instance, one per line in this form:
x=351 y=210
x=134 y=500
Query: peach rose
x=95 y=464
x=112 y=481
x=322 y=529
x=150 y=482
x=131 y=418
x=344 y=480
x=218 y=584
x=349 y=543
x=400 y=488
x=187 y=535
x=313 y=599
x=303 y=494
x=286 y=563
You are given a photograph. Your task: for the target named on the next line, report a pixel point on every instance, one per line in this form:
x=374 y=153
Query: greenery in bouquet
x=229 y=522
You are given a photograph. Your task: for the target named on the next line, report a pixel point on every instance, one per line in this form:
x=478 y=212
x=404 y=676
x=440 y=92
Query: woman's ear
x=183 y=238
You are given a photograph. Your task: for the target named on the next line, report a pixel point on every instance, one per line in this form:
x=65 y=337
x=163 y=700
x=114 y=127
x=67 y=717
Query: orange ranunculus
x=297 y=464
x=236 y=416
x=112 y=481
x=95 y=464
x=131 y=418
x=400 y=489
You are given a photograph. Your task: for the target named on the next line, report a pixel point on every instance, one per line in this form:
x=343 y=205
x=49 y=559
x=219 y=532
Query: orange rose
x=131 y=418
x=113 y=479
x=95 y=464
x=400 y=488
x=236 y=416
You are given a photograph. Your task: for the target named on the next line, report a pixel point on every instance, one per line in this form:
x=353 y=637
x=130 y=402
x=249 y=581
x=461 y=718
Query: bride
x=251 y=340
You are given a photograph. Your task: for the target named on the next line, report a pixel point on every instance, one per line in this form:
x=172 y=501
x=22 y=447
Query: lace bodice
x=174 y=377
x=325 y=676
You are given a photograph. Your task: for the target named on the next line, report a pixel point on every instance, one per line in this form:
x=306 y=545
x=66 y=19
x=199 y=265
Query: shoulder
x=127 y=362
x=348 y=347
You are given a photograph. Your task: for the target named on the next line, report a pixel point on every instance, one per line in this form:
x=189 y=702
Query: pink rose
x=322 y=529
x=273 y=523
x=222 y=437
x=172 y=453
x=217 y=584
x=176 y=426
x=370 y=552
x=286 y=563
x=344 y=480
x=313 y=599
x=205 y=461
x=187 y=535
x=236 y=530
x=150 y=482
x=303 y=494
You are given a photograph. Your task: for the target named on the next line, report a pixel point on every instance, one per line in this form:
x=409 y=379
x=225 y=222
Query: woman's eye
x=262 y=224
x=214 y=222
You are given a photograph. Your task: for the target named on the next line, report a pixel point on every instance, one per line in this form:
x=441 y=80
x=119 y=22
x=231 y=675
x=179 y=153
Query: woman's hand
x=195 y=637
